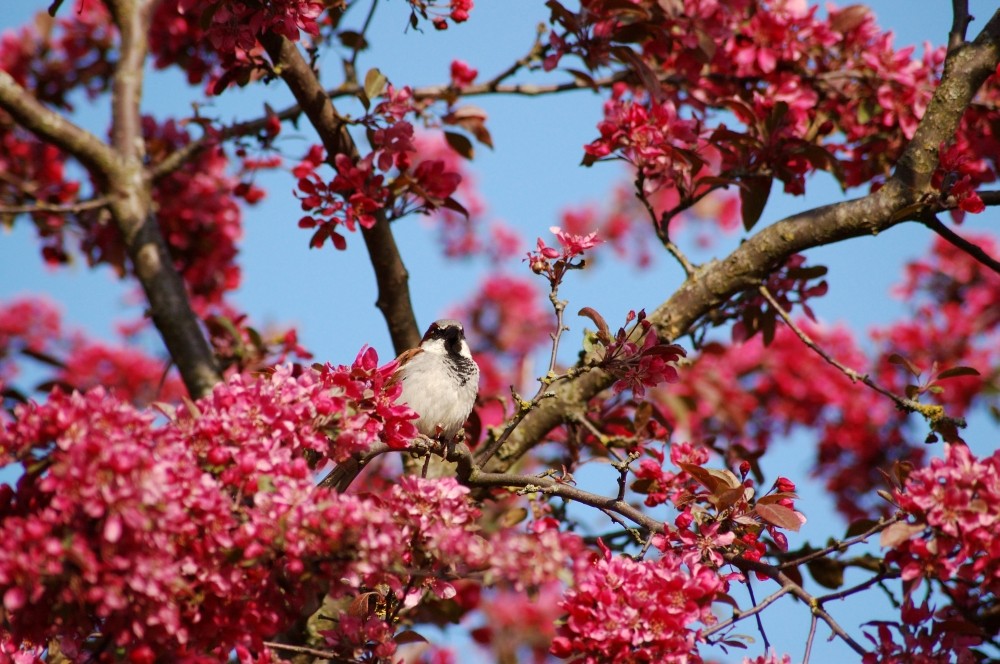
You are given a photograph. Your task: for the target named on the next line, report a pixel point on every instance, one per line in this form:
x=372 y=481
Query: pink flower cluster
x=554 y=263
x=351 y=198
x=462 y=75
x=956 y=177
x=719 y=512
x=809 y=93
x=204 y=532
x=219 y=40
x=958 y=499
x=551 y=551
x=626 y=610
x=636 y=358
x=32 y=328
x=651 y=137
x=384 y=180
x=457 y=11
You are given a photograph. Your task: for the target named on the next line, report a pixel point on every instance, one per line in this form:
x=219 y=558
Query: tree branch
x=132 y=210
x=798 y=591
x=932 y=222
x=67 y=208
x=53 y=128
x=390 y=273
x=119 y=173
x=932 y=413
x=965 y=69
x=746 y=268
x=959 y=24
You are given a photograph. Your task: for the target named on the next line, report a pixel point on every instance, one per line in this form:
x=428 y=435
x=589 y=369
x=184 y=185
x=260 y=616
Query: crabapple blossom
x=609 y=516
x=610 y=617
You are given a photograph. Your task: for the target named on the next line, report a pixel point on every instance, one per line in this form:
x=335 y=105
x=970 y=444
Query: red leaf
x=896 y=358
x=954 y=372
x=460 y=144
x=778 y=515
x=753 y=197
x=602 y=325
x=898 y=533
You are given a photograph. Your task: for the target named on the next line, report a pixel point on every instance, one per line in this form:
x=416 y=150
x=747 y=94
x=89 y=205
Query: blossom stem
x=931 y=414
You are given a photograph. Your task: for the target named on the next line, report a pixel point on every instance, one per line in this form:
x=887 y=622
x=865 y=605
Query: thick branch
x=52 y=127
x=965 y=69
x=132 y=210
x=119 y=172
x=745 y=268
x=713 y=284
x=390 y=273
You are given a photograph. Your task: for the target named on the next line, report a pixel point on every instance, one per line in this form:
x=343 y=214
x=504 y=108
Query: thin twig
x=864 y=585
x=69 y=208
x=742 y=615
x=930 y=412
x=584 y=421
x=842 y=546
x=302 y=650
x=932 y=222
x=756 y=616
x=559 y=306
x=364 y=30
x=472 y=475
x=798 y=591
x=809 y=639
x=533 y=52
x=661 y=226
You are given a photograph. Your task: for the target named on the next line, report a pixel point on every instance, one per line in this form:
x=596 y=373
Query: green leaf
x=453 y=205
x=353 y=40
x=642 y=486
x=583 y=78
x=864 y=112
x=776 y=497
x=808 y=273
x=768 y=325
x=898 y=533
x=753 y=197
x=513 y=517
x=716 y=481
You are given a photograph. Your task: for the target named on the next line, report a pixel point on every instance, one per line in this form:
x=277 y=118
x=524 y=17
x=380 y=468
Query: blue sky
x=531 y=175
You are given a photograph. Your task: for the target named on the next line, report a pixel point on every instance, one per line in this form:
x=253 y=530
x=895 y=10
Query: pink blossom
x=611 y=617
x=462 y=75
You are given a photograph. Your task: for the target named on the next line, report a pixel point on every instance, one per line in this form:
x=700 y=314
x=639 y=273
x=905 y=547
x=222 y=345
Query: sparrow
x=440 y=380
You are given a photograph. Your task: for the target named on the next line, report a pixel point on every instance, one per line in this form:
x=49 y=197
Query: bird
x=440 y=382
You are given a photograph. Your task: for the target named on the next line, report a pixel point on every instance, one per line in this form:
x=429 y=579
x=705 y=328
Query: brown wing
x=403 y=358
